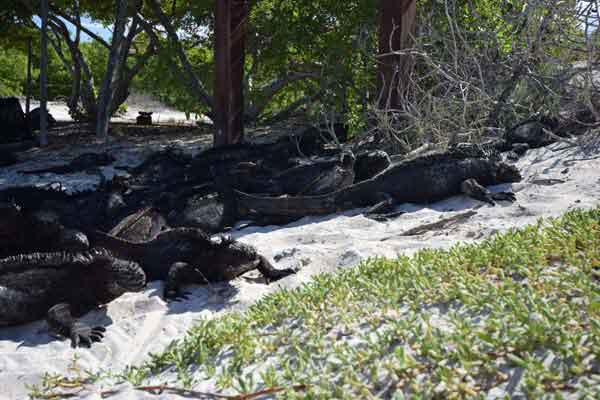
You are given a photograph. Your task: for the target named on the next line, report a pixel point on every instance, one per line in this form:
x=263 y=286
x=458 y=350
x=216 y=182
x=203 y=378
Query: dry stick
x=200 y=395
x=160 y=389
x=441 y=224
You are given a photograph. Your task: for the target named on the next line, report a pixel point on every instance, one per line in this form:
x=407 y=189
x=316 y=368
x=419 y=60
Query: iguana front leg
x=181 y=273
x=61 y=322
x=271 y=273
x=473 y=189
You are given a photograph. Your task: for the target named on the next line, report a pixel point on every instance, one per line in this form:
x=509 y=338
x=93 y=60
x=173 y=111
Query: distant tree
x=116 y=58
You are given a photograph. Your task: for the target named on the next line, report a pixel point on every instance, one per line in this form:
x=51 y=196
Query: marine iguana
x=81 y=163
x=370 y=163
x=62 y=286
x=423 y=179
x=316 y=177
x=22 y=232
x=188 y=255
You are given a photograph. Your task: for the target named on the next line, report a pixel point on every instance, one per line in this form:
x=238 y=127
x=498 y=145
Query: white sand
x=135 y=103
x=141 y=323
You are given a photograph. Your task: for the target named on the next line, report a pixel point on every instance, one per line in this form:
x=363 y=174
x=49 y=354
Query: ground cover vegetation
x=515 y=313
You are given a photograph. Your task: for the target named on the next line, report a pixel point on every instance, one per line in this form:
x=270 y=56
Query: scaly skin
x=423 y=179
x=23 y=233
x=188 y=255
x=63 y=285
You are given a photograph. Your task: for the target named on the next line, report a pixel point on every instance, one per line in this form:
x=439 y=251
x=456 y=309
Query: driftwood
x=140 y=226
x=438 y=225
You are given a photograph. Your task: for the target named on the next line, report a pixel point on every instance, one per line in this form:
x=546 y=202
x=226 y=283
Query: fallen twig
x=441 y=224
x=160 y=389
x=204 y=395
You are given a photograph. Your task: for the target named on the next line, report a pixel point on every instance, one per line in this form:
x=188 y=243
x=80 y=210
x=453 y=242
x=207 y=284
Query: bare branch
x=271 y=90
x=197 y=85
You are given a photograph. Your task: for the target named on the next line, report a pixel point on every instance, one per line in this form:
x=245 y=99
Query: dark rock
x=7 y=158
x=82 y=163
x=144 y=118
x=311 y=141
x=33 y=119
x=206 y=212
x=520 y=148
x=12 y=121
x=529 y=132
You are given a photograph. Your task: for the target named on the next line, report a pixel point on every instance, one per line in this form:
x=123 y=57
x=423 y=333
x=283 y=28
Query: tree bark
x=76 y=84
x=223 y=90
x=230 y=37
x=28 y=89
x=112 y=70
x=44 y=75
x=239 y=20
x=396 y=32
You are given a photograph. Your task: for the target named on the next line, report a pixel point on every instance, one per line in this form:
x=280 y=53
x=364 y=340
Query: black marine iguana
x=81 y=163
x=420 y=180
x=188 y=255
x=64 y=285
x=22 y=232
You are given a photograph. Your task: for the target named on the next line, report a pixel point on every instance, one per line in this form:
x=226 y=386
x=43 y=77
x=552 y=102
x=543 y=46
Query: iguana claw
x=83 y=335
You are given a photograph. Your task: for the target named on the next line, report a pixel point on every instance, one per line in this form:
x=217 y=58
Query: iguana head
x=230 y=254
x=506 y=173
x=123 y=275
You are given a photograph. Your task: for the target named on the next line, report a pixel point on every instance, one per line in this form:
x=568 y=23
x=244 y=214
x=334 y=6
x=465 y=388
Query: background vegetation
x=480 y=66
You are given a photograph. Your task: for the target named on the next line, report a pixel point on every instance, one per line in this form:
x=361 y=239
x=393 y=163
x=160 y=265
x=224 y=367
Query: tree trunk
x=223 y=133
x=396 y=32
x=76 y=84
x=86 y=94
x=28 y=89
x=112 y=70
x=239 y=20
x=230 y=37
x=44 y=75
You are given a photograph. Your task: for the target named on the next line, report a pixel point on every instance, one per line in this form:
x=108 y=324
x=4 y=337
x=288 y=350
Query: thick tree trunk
x=224 y=133
x=230 y=37
x=73 y=103
x=81 y=71
x=396 y=32
x=112 y=70
x=239 y=21
x=44 y=75
x=28 y=88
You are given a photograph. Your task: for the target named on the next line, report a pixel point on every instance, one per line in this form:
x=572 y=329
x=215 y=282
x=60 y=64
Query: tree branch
x=187 y=67
x=268 y=92
x=77 y=23
x=289 y=110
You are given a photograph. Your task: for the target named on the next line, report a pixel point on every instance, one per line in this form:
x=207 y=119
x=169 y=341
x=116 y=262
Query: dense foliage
x=320 y=57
